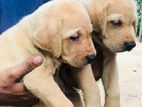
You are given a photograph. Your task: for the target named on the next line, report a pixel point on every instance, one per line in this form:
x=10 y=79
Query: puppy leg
x=42 y=84
x=88 y=86
x=75 y=99
x=110 y=82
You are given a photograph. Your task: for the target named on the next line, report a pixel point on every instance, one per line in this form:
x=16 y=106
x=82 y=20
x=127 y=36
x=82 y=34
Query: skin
x=12 y=90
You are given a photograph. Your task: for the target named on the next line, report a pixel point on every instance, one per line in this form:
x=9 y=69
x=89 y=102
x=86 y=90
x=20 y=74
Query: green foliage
x=139 y=12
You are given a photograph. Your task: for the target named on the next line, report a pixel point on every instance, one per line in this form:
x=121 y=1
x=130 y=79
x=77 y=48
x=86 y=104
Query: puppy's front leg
x=110 y=82
x=41 y=83
x=89 y=87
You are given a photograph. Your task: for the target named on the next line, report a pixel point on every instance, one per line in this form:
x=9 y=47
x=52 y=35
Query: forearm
x=13 y=92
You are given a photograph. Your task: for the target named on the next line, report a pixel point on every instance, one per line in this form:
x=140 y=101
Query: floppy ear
x=103 y=23
x=48 y=36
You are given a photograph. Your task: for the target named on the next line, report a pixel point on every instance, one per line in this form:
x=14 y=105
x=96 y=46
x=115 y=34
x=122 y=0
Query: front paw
x=112 y=103
x=93 y=105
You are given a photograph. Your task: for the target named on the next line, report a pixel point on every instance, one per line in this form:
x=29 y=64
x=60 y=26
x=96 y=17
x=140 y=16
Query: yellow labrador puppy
x=60 y=31
x=116 y=26
x=114 y=23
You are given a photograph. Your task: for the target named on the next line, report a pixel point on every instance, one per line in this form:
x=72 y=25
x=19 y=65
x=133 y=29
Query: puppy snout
x=90 y=58
x=129 y=45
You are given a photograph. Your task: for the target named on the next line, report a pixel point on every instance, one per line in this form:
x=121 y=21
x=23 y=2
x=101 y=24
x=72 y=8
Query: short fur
x=108 y=40
x=48 y=32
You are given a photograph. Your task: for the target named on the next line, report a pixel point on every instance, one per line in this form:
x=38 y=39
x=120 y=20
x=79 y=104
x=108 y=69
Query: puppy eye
x=116 y=23
x=75 y=37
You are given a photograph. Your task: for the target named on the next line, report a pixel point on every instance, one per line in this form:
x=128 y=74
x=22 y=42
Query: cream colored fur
x=111 y=41
x=47 y=32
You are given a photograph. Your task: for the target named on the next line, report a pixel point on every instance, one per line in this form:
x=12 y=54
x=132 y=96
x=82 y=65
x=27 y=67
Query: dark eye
x=116 y=23
x=75 y=37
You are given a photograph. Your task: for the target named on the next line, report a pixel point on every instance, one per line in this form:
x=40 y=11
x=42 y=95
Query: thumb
x=25 y=67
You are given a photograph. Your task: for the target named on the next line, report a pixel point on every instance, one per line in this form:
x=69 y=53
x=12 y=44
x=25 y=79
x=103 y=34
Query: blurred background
x=139 y=11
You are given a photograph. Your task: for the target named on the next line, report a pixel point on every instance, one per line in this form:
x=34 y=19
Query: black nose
x=90 y=58
x=129 y=45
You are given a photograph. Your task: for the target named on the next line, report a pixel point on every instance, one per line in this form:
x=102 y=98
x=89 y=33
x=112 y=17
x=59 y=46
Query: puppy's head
x=120 y=25
x=117 y=22
x=65 y=32
x=77 y=47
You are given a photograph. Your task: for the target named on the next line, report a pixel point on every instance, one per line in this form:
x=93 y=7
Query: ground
x=130 y=77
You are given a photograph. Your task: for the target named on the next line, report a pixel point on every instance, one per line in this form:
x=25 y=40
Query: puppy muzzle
x=90 y=58
x=128 y=46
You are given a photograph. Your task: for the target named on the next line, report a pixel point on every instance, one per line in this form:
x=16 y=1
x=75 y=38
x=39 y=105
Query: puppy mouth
x=82 y=62
x=122 y=48
x=128 y=49
x=78 y=63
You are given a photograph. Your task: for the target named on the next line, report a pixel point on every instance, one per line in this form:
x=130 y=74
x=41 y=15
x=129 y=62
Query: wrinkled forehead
x=76 y=16
x=77 y=21
x=122 y=9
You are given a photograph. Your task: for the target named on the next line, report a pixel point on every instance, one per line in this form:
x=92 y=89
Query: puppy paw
x=112 y=104
x=93 y=105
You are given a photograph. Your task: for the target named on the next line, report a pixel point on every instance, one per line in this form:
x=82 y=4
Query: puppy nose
x=90 y=58
x=129 y=45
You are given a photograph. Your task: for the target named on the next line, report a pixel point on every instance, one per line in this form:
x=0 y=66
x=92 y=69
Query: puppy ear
x=48 y=36
x=103 y=23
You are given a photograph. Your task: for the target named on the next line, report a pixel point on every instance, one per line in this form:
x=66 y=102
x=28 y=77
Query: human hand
x=12 y=89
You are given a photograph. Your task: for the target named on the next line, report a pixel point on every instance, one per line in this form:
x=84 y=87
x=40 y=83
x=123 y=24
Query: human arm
x=12 y=90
